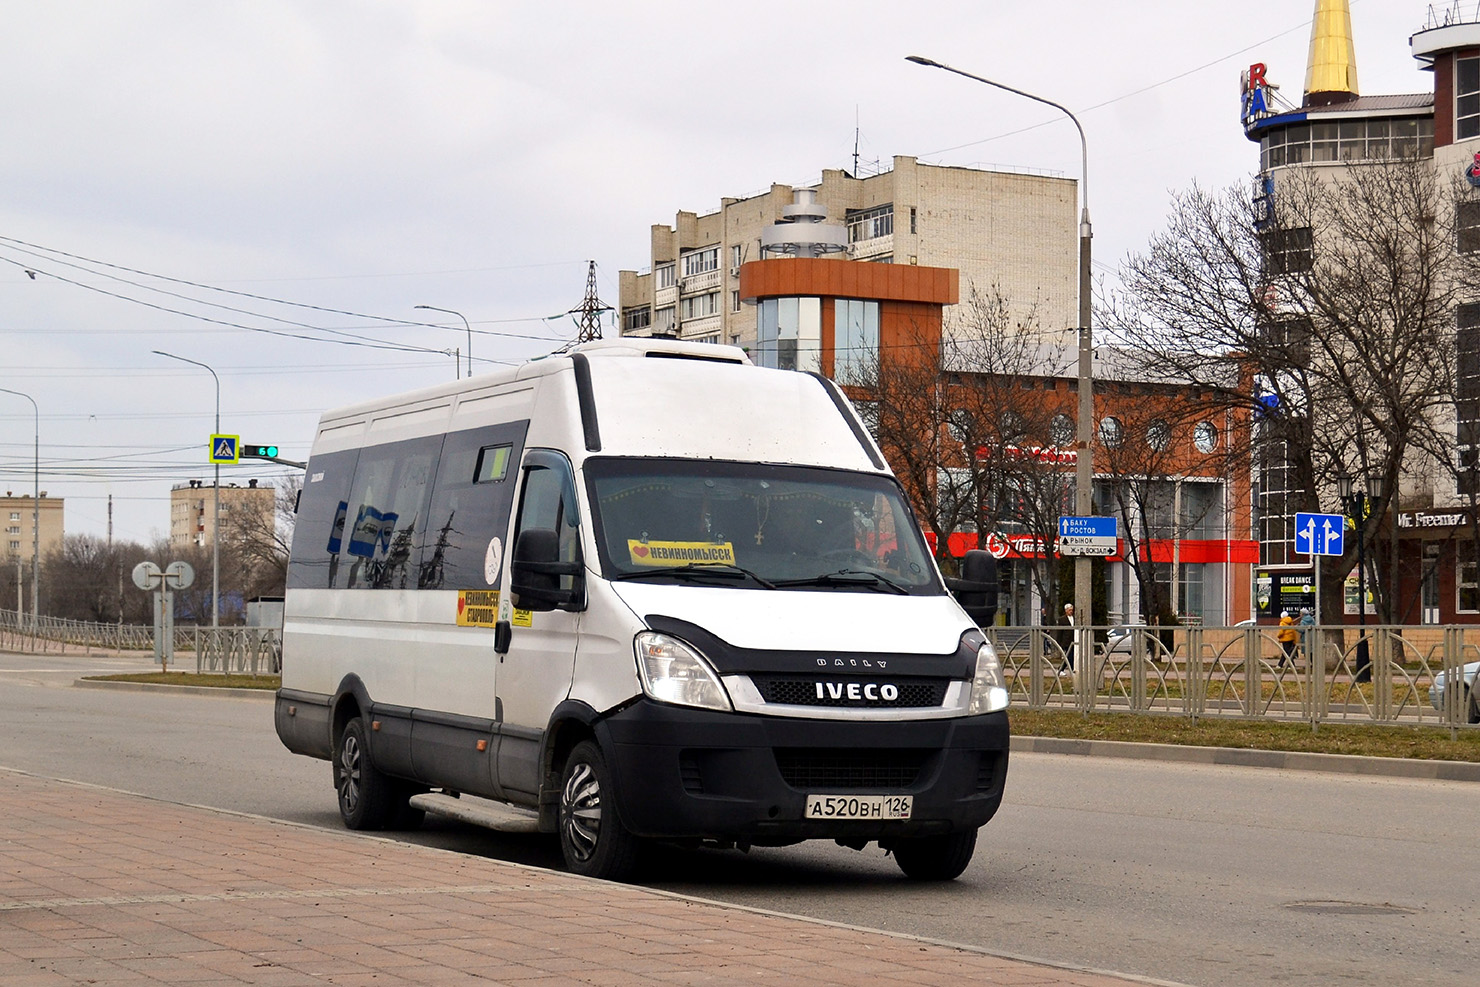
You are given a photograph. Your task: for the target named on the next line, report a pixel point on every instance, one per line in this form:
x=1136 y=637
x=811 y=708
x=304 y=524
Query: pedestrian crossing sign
x=226 y=448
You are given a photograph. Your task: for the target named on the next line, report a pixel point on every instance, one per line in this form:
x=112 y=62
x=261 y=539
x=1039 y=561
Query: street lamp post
x=1084 y=464
x=1356 y=502
x=215 y=502
x=466 y=325
x=35 y=516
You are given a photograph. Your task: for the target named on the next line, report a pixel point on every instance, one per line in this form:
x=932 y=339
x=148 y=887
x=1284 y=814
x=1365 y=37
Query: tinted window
x=385 y=524
x=318 y=533
x=471 y=501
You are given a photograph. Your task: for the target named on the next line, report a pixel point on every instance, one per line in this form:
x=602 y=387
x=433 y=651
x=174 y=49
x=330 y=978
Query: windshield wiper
x=849 y=577
x=717 y=570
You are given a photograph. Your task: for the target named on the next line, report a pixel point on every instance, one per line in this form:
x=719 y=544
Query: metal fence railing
x=222 y=650
x=1337 y=674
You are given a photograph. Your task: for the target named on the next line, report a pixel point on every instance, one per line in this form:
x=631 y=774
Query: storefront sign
x=1278 y=591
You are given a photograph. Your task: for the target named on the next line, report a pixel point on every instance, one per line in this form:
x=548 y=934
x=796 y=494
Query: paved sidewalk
x=99 y=886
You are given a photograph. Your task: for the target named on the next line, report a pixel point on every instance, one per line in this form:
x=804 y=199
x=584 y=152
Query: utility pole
x=588 y=313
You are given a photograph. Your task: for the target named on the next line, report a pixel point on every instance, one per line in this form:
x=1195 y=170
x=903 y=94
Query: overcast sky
x=359 y=159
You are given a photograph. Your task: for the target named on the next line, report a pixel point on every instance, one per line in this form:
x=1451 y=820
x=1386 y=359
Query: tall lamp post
x=215 y=502
x=35 y=514
x=466 y=325
x=1084 y=464
x=1356 y=503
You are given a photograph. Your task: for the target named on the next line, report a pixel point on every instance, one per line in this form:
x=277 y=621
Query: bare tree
x=258 y=543
x=973 y=426
x=1330 y=319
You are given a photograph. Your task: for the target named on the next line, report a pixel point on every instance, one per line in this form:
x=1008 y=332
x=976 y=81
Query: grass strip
x=1368 y=740
x=190 y=678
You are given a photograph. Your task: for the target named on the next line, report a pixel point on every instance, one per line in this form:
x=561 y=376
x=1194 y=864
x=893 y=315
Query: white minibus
x=640 y=591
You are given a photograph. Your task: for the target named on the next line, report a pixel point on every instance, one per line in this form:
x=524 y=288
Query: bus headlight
x=673 y=672
x=988 y=688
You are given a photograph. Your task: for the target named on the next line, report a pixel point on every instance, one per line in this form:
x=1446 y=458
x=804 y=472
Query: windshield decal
x=677 y=553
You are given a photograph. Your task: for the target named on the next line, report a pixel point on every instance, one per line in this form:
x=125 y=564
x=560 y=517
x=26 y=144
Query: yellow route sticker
x=677 y=553
x=523 y=618
x=477 y=607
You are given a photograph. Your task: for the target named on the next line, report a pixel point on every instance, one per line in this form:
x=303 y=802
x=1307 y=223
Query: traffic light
x=251 y=451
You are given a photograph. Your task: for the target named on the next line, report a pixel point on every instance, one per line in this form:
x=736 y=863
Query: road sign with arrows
x=1320 y=534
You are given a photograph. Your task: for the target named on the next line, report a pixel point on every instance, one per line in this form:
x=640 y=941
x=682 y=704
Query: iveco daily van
x=640 y=591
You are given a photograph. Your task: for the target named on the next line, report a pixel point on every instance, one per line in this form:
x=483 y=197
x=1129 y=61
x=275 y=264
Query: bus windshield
x=756 y=526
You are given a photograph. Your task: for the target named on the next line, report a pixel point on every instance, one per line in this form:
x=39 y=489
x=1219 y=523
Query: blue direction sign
x=1320 y=534
x=1087 y=536
x=1087 y=527
x=226 y=448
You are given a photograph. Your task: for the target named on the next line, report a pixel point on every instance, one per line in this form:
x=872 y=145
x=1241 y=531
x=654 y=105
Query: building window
x=1288 y=251
x=1466 y=98
x=735 y=254
x=1061 y=431
x=700 y=306
x=1468 y=589
x=700 y=261
x=1159 y=435
x=1347 y=140
x=867 y=224
x=1467 y=397
x=1205 y=436
x=1111 y=432
x=663 y=276
x=711 y=338
x=1467 y=227
x=663 y=321
x=788 y=333
x=855 y=340
x=637 y=318
x=734 y=301
x=15 y=515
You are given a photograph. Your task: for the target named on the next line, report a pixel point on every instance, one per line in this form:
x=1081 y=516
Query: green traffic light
x=260 y=452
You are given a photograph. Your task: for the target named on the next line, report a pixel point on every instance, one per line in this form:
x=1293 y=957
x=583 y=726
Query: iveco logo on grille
x=860 y=691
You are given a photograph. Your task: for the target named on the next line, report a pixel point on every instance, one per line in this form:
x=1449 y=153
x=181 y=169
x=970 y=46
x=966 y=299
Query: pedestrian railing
x=222 y=650
x=1337 y=674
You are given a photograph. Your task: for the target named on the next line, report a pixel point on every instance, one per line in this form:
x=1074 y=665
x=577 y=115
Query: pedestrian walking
x=1307 y=633
x=1069 y=648
x=1287 y=636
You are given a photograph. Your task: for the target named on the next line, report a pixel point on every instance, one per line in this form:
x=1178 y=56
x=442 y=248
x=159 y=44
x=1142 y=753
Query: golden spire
x=1331 y=70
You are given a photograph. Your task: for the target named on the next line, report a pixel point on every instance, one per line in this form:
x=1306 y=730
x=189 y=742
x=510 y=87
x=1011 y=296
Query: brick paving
x=102 y=887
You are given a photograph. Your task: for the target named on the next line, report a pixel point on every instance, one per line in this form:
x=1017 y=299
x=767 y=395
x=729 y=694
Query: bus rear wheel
x=367 y=798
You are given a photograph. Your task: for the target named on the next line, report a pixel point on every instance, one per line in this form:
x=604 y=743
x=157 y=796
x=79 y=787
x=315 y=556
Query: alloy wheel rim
x=349 y=773
x=580 y=811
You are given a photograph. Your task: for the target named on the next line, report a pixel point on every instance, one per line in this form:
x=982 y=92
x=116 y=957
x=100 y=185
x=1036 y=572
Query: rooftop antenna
x=855 y=140
x=588 y=313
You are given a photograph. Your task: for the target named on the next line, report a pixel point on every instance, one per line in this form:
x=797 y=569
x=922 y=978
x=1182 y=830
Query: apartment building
x=18 y=511
x=191 y=522
x=1002 y=231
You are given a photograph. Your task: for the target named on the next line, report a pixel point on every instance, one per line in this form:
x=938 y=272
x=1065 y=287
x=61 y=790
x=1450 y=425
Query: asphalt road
x=1199 y=874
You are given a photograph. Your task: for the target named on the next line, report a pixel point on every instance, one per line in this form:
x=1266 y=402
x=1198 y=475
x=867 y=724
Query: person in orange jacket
x=1287 y=636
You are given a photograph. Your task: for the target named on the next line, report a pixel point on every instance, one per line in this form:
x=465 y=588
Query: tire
x=367 y=798
x=935 y=858
x=592 y=839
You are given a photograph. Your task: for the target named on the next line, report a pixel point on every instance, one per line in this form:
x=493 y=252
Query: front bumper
x=686 y=773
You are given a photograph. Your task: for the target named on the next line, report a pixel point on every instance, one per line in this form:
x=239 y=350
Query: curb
x=1382 y=767
x=1377 y=767
x=188 y=690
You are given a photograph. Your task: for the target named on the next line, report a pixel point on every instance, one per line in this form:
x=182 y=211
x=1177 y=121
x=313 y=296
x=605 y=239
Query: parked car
x=1119 y=639
x=1469 y=700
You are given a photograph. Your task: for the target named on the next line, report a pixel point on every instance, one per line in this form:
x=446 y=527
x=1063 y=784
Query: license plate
x=860 y=806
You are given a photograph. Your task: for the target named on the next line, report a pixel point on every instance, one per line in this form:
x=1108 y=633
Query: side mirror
x=976 y=590
x=535 y=572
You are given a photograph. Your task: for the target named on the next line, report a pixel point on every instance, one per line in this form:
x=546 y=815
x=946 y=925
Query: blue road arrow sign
x=1093 y=527
x=1320 y=534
